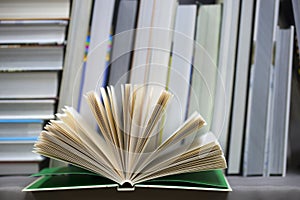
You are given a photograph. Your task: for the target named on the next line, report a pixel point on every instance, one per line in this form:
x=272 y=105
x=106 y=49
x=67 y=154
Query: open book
x=126 y=149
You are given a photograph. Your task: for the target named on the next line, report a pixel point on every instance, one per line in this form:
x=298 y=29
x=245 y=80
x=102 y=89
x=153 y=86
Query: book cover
x=69 y=178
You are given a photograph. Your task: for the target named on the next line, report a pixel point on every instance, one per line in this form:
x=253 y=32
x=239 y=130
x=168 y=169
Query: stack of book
x=32 y=43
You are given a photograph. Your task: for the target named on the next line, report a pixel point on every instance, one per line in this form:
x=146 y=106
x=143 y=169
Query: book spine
x=94 y=76
x=240 y=88
x=123 y=42
x=258 y=103
x=226 y=67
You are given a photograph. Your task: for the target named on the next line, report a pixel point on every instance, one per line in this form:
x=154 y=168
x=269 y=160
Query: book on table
x=125 y=152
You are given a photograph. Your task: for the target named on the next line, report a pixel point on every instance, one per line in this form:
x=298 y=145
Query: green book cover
x=63 y=178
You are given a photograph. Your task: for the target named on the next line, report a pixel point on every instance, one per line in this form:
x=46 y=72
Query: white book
x=17 y=151
x=93 y=76
x=153 y=42
x=153 y=45
x=27 y=109
x=181 y=66
x=69 y=93
x=279 y=120
x=161 y=40
x=28 y=84
x=205 y=62
x=19 y=58
x=240 y=88
x=33 y=32
x=257 y=109
x=141 y=58
x=74 y=54
x=123 y=42
x=226 y=68
x=34 y=9
x=17 y=158
x=20 y=130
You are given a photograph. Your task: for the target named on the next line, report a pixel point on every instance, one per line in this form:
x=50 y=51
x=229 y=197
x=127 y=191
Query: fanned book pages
x=124 y=152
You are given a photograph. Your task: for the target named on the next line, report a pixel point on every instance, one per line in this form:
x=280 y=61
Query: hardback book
x=27 y=109
x=74 y=53
x=33 y=31
x=16 y=149
x=181 y=66
x=123 y=41
x=31 y=57
x=123 y=152
x=94 y=70
x=161 y=35
x=16 y=156
x=17 y=137
x=153 y=42
x=276 y=157
x=225 y=73
x=20 y=129
x=141 y=41
x=240 y=90
x=256 y=133
x=34 y=84
x=34 y=9
x=203 y=84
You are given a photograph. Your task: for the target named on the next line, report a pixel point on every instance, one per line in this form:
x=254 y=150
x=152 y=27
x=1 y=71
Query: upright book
x=203 y=84
x=74 y=53
x=123 y=41
x=225 y=74
x=240 y=91
x=94 y=72
x=123 y=152
x=256 y=127
x=153 y=42
x=181 y=66
x=276 y=157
